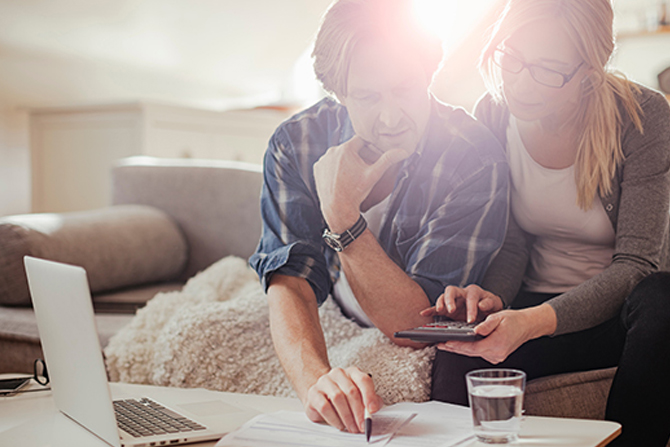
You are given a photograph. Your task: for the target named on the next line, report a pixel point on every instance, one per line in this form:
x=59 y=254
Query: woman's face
x=546 y=44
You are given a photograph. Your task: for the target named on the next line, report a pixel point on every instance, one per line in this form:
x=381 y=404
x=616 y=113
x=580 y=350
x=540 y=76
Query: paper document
x=295 y=429
x=436 y=424
x=401 y=425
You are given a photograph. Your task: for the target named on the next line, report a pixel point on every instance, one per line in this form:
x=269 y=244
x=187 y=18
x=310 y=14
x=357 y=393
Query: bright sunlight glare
x=451 y=20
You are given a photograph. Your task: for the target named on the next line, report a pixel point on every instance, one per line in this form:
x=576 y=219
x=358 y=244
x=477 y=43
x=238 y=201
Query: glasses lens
x=41 y=374
x=547 y=77
x=507 y=62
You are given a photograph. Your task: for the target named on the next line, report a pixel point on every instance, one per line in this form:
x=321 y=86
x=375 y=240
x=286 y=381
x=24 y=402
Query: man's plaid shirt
x=445 y=221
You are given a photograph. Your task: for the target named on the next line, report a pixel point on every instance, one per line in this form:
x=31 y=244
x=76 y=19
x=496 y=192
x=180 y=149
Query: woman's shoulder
x=650 y=100
x=654 y=116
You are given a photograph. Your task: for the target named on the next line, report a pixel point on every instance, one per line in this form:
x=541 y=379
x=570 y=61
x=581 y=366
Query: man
x=431 y=181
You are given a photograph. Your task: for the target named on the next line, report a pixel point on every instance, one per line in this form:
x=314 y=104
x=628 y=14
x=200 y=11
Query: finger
x=472 y=299
x=452 y=295
x=387 y=159
x=439 y=304
x=486 y=304
x=429 y=312
x=369 y=398
x=355 y=144
x=313 y=414
x=489 y=325
x=460 y=347
x=366 y=386
x=490 y=304
x=320 y=408
x=347 y=400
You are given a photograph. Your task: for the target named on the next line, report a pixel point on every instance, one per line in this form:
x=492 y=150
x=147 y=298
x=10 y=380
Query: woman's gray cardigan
x=637 y=207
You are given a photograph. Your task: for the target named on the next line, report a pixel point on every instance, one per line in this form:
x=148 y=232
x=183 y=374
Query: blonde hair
x=347 y=23
x=588 y=24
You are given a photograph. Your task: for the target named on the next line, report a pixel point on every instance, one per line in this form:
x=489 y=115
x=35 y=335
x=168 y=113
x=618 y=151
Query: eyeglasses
x=40 y=375
x=541 y=75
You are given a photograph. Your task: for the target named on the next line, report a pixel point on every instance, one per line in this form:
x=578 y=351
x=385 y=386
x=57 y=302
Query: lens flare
x=451 y=20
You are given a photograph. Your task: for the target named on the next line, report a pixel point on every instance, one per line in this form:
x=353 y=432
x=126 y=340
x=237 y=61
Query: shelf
x=661 y=30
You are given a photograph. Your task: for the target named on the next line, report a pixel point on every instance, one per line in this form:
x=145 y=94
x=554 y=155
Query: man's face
x=387 y=96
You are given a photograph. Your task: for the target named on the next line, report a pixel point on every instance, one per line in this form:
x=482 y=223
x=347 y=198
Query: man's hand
x=344 y=179
x=470 y=304
x=340 y=398
x=332 y=395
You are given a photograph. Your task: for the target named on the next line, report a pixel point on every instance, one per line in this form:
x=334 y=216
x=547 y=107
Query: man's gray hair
x=349 y=22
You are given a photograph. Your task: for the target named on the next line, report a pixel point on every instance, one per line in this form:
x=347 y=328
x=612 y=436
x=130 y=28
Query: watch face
x=333 y=243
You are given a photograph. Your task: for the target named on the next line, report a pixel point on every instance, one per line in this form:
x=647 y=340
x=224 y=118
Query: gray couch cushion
x=216 y=203
x=585 y=391
x=20 y=341
x=127 y=301
x=118 y=246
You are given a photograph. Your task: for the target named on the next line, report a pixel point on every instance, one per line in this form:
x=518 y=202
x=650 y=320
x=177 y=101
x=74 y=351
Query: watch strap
x=339 y=242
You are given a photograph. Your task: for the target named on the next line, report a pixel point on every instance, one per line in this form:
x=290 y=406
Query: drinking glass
x=496 y=400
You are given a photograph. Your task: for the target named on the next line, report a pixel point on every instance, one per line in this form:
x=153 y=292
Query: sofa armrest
x=216 y=203
x=118 y=246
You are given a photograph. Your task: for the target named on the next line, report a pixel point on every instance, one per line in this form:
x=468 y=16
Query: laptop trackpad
x=210 y=408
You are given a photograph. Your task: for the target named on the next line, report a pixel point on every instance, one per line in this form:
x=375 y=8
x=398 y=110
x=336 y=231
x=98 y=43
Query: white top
x=572 y=245
x=342 y=292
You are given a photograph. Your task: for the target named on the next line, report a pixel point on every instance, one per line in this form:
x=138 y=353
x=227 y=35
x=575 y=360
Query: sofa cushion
x=118 y=246
x=216 y=203
x=586 y=391
x=128 y=300
x=20 y=340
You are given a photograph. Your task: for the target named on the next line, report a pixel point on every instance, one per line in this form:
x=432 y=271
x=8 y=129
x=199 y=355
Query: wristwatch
x=339 y=242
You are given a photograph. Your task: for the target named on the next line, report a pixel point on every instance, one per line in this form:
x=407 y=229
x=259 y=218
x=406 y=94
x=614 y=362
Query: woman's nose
x=522 y=81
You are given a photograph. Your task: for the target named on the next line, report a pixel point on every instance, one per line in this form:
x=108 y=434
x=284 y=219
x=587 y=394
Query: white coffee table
x=25 y=421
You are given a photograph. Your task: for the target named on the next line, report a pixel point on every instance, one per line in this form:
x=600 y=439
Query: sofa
x=168 y=220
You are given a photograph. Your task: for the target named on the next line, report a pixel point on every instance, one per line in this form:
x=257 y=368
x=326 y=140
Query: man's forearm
x=389 y=297
x=296 y=332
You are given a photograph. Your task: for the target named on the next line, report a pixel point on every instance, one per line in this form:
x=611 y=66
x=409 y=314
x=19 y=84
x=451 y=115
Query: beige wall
x=34 y=77
x=14 y=162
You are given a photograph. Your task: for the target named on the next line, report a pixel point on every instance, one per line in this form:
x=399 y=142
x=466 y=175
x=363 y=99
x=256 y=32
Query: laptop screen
x=64 y=311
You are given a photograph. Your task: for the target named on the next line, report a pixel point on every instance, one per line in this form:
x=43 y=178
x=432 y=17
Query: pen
x=368 y=421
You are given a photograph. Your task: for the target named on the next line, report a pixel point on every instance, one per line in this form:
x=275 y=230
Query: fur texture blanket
x=215 y=334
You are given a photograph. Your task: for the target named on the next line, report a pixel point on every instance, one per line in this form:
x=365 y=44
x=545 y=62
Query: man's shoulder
x=325 y=118
x=457 y=133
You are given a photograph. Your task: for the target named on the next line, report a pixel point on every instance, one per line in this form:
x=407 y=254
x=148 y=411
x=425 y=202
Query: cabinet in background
x=73 y=148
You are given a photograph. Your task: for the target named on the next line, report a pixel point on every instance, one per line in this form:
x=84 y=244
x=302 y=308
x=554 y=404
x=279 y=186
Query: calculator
x=441 y=330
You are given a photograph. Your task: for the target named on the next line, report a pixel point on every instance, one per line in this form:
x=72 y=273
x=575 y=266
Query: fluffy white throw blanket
x=215 y=334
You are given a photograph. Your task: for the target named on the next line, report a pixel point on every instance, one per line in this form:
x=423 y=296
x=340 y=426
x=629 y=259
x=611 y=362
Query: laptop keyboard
x=144 y=417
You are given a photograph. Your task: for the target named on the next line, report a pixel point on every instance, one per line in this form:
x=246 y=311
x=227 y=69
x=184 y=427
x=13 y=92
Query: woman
x=589 y=153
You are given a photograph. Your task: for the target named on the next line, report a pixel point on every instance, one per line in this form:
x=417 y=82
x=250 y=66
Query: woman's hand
x=471 y=304
x=504 y=332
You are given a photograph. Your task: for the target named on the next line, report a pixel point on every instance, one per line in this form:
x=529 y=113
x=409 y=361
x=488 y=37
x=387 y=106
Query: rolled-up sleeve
x=291 y=240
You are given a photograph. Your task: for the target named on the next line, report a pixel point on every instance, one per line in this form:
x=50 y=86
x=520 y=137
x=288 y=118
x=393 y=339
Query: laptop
x=65 y=319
